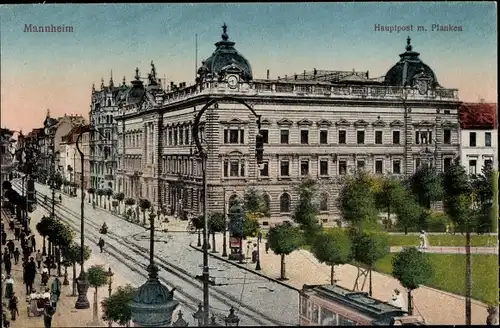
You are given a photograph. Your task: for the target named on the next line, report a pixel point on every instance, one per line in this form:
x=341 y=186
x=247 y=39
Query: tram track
x=222 y=297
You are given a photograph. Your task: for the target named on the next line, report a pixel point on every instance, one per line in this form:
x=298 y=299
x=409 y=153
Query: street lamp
x=110 y=281
x=213 y=323
x=236 y=226
x=154 y=303
x=232 y=320
x=203 y=154
x=224 y=241
x=199 y=315
x=180 y=322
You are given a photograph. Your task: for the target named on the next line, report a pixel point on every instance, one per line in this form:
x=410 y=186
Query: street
x=257 y=300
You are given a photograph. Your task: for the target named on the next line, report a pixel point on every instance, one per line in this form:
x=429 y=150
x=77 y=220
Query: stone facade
x=312 y=128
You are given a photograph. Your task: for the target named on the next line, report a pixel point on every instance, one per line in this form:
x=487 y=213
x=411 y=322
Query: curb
x=246 y=269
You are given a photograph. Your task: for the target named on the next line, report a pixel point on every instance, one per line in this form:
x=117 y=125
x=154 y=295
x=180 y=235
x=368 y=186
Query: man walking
x=10 y=246
x=16 y=255
x=56 y=291
x=30 y=273
x=38 y=258
x=8 y=265
x=101 y=243
x=48 y=312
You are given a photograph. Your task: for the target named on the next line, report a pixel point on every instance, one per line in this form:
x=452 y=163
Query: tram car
x=331 y=305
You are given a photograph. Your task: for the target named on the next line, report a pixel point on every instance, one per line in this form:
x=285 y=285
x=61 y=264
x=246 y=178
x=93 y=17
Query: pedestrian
x=33 y=243
x=101 y=243
x=267 y=247
x=29 y=244
x=16 y=255
x=46 y=295
x=45 y=276
x=56 y=291
x=48 y=263
x=11 y=224
x=48 y=312
x=11 y=246
x=22 y=236
x=6 y=254
x=259 y=237
x=17 y=232
x=9 y=286
x=4 y=237
x=30 y=273
x=38 y=258
x=26 y=253
x=13 y=306
x=8 y=265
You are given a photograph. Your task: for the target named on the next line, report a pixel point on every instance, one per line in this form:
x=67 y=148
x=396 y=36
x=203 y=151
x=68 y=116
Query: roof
x=478 y=115
x=381 y=312
x=73 y=133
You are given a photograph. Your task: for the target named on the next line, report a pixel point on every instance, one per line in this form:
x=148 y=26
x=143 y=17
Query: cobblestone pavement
x=66 y=315
x=437 y=307
x=257 y=300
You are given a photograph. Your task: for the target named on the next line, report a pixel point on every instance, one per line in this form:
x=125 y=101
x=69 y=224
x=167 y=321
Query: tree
x=426 y=185
x=116 y=308
x=306 y=212
x=91 y=191
x=485 y=186
x=412 y=268
x=216 y=223
x=357 y=201
x=407 y=209
x=98 y=277
x=100 y=193
x=253 y=202
x=129 y=202
x=119 y=197
x=63 y=238
x=332 y=248
x=251 y=225
x=43 y=228
x=108 y=192
x=368 y=248
x=144 y=204
x=388 y=197
x=72 y=254
x=283 y=239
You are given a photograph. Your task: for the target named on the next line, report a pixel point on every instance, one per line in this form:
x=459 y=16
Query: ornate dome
x=226 y=56
x=397 y=76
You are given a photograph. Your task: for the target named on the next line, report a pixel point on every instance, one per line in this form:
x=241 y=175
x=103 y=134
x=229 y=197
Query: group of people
x=38 y=303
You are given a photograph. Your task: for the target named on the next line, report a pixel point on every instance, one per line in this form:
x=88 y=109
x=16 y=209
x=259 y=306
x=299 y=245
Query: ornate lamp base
x=82 y=286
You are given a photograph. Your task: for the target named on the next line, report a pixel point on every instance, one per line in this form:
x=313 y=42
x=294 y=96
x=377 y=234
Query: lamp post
x=154 y=311
x=224 y=241
x=257 y=266
x=199 y=315
x=203 y=154
x=232 y=320
x=110 y=281
x=180 y=322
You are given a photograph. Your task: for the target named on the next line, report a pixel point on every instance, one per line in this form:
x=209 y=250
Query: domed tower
x=225 y=62
x=411 y=71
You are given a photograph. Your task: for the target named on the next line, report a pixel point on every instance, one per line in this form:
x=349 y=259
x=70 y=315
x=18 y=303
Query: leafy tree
x=333 y=248
x=253 y=202
x=407 y=209
x=72 y=255
x=306 y=212
x=43 y=227
x=412 y=268
x=457 y=193
x=389 y=196
x=426 y=185
x=100 y=193
x=91 y=191
x=251 y=225
x=494 y=207
x=283 y=239
x=116 y=308
x=108 y=192
x=129 y=202
x=216 y=223
x=485 y=186
x=357 y=201
x=368 y=248
x=98 y=277
x=119 y=197
x=144 y=204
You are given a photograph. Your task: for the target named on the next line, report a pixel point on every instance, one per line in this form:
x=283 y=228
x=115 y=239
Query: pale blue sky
x=57 y=70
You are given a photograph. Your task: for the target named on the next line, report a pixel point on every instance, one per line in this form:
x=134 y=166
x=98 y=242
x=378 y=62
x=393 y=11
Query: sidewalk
x=66 y=315
x=437 y=307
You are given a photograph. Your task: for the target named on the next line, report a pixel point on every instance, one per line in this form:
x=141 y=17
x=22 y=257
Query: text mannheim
x=321 y=124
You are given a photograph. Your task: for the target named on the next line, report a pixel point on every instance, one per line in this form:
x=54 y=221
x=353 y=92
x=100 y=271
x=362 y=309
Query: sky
x=55 y=71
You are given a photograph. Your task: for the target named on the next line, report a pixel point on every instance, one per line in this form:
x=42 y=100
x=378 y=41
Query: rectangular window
x=379 y=166
x=231 y=136
x=488 y=163
x=360 y=137
x=396 y=166
x=472 y=139
x=342 y=137
x=323 y=137
x=234 y=168
x=285 y=168
x=487 y=139
x=447 y=136
x=175 y=137
x=360 y=164
x=264 y=172
x=472 y=166
x=181 y=136
x=447 y=163
x=323 y=167
x=304 y=167
x=378 y=137
x=304 y=137
x=342 y=167
x=187 y=136
x=284 y=135
x=265 y=136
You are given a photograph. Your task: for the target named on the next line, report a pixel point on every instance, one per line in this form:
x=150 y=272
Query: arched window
x=232 y=200
x=285 y=203
x=267 y=204
x=323 y=204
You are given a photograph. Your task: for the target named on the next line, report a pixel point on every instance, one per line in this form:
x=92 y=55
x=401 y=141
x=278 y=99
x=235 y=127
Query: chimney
x=268 y=74
x=278 y=78
x=295 y=76
x=315 y=72
x=304 y=74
